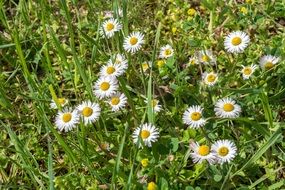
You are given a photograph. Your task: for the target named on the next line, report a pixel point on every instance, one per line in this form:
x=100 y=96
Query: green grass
x=53 y=49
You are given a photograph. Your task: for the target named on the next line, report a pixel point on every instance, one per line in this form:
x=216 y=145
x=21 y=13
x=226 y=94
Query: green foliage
x=54 y=49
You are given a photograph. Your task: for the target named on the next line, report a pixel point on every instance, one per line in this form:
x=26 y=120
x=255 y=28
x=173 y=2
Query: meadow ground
x=149 y=94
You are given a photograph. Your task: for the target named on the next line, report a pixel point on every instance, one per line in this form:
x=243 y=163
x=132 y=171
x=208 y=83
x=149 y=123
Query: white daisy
x=236 y=42
x=105 y=87
x=61 y=101
x=67 y=119
x=268 y=61
x=146 y=65
x=119 y=59
x=247 y=71
x=155 y=105
x=109 y=27
x=225 y=150
x=206 y=57
x=193 y=117
x=193 y=60
x=147 y=132
x=166 y=52
x=89 y=111
x=117 y=101
x=210 y=79
x=111 y=70
x=133 y=42
x=201 y=152
x=227 y=108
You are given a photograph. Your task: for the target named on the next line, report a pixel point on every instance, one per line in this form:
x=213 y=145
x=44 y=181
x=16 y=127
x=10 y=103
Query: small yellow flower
x=191 y=12
x=160 y=63
x=144 y=162
x=173 y=29
x=151 y=186
x=244 y=10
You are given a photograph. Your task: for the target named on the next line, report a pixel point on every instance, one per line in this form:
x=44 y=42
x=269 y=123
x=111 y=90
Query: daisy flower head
x=193 y=60
x=225 y=150
x=201 y=153
x=109 y=27
x=247 y=71
x=155 y=105
x=133 y=42
x=117 y=101
x=89 y=111
x=210 y=79
x=119 y=59
x=111 y=70
x=61 y=101
x=193 y=117
x=66 y=119
x=206 y=57
x=147 y=132
x=268 y=61
x=227 y=108
x=166 y=52
x=146 y=65
x=236 y=42
x=105 y=87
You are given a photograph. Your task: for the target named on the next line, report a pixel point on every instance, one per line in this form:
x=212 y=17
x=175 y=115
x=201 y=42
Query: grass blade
x=274 y=137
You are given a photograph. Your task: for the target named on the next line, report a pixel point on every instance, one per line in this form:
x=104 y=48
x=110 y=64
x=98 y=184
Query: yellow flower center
x=211 y=78
x=145 y=66
x=151 y=186
x=154 y=103
x=228 y=107
x=205 y=58
x=104 y=86
x=268 y=65
x=144 y=162
x=203 y=150
x=236 y=41
x=87 y=111
x=168 y=52
x=196 y=116
x=145 y=134
x=115 y=100
x=192 y=62
x=133 y=41
x=61 y=101
x=66 y=117
x=223 y=151
x=111 y=70
x=109 y=27
x=247 y=71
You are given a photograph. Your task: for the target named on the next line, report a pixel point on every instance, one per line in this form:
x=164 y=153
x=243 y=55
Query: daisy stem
x=206 y=135
x=119 y=155
x=226 y=177
x=130 y=100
